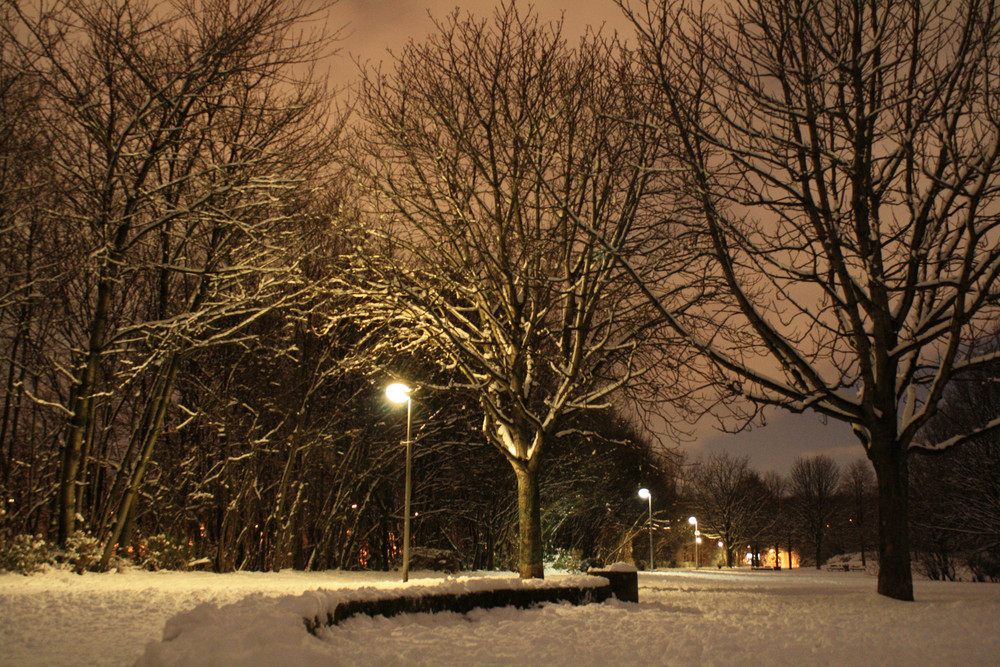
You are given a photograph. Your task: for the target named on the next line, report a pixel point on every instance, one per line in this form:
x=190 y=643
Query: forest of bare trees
x=211 y=265
x=179 y=361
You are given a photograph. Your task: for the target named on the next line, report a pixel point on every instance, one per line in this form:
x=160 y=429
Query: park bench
x=845 y=567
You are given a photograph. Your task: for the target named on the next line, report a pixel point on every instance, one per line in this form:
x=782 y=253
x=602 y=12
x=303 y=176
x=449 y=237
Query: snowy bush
x=164 y=553
x=569 y=560
x=81 y=553
x=26 y=554
x=438 y=560
x=985 y=565
x=938 y=565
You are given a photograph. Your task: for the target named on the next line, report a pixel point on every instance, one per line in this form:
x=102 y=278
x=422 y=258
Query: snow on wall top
x=271 y=630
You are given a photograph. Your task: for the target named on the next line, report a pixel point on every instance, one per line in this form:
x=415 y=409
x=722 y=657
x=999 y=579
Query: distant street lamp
x=646 y=495
x=697 y=539
x=398 y=392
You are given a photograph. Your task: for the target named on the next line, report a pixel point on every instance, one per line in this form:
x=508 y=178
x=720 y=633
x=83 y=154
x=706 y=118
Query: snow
x=619 y=567
x=802 y=616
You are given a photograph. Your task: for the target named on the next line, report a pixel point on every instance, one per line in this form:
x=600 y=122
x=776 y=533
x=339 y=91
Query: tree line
x=211 y=266
x=822 y=510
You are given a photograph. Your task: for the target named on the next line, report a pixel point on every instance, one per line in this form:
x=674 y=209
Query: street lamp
x=646 y=495
x=397 y=392
x=697 y=539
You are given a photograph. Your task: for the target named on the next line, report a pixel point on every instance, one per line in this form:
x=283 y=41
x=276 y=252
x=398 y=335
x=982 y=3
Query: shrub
x=437 y=560
x=82 y=552
x=26 y=554
x=985 y=565
x=569 y=560
x=936 y=565
x=164 y=553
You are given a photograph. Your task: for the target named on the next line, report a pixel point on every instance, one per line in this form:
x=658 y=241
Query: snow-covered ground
x=682 y=618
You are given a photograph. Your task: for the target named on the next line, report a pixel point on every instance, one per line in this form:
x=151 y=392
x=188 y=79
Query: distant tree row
x=822 y=510
x=817 y=511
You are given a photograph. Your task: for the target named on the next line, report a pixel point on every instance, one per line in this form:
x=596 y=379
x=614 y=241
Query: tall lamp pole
x=646 y=495
x=398 y=392
x=697 y=539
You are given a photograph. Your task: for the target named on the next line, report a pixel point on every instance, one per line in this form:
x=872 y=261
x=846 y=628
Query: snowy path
x=683 y=618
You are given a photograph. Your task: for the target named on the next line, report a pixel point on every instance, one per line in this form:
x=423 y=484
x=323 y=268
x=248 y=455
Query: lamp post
x=697 y=539
x=646 y=495
x=398 y=392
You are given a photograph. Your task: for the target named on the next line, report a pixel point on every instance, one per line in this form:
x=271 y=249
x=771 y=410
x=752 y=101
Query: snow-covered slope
x=683 y=618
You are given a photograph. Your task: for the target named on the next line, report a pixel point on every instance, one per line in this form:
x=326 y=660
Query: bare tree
x=858 y=484
x=592 y=473
x=957 y=492
x=779 y=529
x=491 y=148
x=732 y=501
x=31 y=264
x=844 y=157
x=182 y=144
x=813 y=483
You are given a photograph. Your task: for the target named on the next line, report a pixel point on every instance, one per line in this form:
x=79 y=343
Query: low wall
x=603 y=585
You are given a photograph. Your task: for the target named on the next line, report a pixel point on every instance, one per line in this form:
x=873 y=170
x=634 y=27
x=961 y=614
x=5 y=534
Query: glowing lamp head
x=644 y=493
x=693 y=521
x=397 y=392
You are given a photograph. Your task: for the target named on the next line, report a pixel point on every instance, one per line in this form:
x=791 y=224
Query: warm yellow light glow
x=779 y=557
x=397 y=392
x=644 y=493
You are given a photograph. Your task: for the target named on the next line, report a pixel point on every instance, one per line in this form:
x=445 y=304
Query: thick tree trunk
x=895 y=579
x=529 y=519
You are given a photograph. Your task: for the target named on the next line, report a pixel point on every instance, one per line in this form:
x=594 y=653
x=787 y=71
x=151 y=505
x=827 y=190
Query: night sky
x=370 y=27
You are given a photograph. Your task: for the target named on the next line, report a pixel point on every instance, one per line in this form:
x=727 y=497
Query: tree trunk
x=491 y=545
x=9 y=406
x=81 y=401
x=859 y=512
x=895 y=579
x=160 y=401
x=861 y=541
x=529 y=520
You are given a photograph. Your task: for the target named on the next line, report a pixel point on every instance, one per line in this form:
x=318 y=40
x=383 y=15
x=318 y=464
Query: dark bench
x=845 y=567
